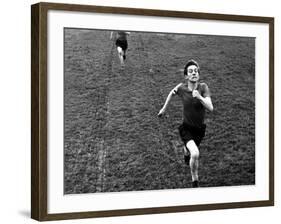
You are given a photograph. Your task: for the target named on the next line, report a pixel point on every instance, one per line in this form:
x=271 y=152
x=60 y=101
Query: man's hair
x=191 y=62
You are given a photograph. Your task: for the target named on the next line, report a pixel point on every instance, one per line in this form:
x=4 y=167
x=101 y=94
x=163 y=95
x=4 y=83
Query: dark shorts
x=188 y=133
x=122 y=43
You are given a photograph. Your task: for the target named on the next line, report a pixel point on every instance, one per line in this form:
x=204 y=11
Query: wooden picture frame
x=39 y=109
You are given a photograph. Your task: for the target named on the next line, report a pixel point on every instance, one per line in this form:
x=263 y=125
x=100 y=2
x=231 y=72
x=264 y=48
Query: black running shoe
x=124 y=57
x=195 y=184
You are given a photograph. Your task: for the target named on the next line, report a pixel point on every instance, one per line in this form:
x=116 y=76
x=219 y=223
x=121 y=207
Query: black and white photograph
x=157 y=111
x=139 y=112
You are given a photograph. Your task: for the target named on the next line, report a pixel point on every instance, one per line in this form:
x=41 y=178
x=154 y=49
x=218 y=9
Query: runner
x=195 y=98
x=121 y=44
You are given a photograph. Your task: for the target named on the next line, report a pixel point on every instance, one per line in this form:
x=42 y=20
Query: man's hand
x=206 y=101
x=161 y=113
x=196 y=94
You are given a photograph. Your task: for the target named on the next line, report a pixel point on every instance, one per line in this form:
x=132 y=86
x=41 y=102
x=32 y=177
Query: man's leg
x=186 y=155
x=194 y=161
x=124 y=55
x=120 y=55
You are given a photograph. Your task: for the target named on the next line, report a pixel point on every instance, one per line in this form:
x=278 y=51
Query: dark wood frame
x=39 y=110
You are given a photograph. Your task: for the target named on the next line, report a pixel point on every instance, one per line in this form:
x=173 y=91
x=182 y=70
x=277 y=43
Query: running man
x=121 y=44
x=195 y=98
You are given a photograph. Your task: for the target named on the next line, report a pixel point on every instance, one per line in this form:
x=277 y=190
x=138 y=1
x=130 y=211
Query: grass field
x=113 y=139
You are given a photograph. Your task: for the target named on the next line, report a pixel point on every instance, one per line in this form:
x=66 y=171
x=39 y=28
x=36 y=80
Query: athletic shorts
x=122 y=43
x=188 y=133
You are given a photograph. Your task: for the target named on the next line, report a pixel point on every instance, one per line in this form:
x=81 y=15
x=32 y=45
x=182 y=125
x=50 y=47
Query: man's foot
x=195 y=184
x=186 y=159
x=124 y=57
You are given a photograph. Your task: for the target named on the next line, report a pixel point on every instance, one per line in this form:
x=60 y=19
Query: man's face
x=192 y=73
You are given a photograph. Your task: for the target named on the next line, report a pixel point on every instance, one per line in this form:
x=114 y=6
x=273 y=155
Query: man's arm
x=206 y=101
x=172 y=93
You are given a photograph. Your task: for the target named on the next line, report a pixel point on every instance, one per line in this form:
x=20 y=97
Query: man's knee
x=120 y=50
x=193 y=149
x=195 y=155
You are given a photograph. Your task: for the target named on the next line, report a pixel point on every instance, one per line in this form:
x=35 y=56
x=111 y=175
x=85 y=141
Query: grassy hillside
x=114 y=140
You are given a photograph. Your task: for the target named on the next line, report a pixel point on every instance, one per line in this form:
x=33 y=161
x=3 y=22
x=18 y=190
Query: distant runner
x=195 y=98
x=121 y=44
